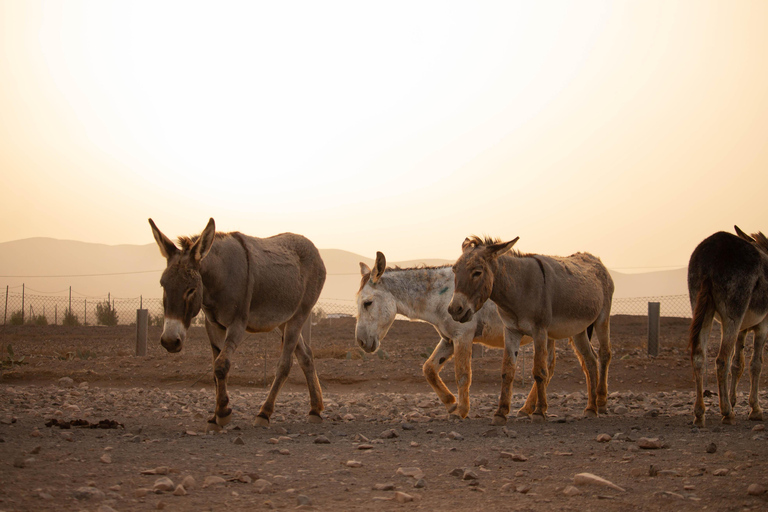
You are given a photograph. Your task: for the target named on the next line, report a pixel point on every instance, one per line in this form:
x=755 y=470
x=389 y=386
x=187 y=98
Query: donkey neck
x=513 y=275
x=419 y=292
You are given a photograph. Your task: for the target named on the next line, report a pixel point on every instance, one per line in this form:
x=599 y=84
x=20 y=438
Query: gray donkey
x=728 y=281
x=243 y=283
x=542 y=297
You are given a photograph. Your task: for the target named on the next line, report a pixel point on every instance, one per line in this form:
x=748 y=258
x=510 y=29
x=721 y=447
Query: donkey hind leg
x=307 y=362
x=737 y=368
x=442 y=354
x=603 y=331
x=724 y=355
x=698 y=361
x=588 y=359
x=530 y=403
x=755 y=367
x=540 y=373
x=508 y=363
x=462 y=363
x=291 y=332
x=222 y=414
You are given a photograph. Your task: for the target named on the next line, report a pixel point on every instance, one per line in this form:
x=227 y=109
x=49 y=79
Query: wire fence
x=26 y=309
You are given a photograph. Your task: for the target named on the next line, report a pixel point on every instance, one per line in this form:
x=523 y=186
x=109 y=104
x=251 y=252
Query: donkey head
x=473 y=275
x=181 y=282
x=376 y=307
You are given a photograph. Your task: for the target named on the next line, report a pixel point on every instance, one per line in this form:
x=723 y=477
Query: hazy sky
x=628 y=129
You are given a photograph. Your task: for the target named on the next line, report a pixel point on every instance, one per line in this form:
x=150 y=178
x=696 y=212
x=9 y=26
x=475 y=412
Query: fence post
x=654 y=324
x=22 y=303
x=142 y=317
x=85 y=311
x=5 y=316
x=55 y=314
x=70 y=300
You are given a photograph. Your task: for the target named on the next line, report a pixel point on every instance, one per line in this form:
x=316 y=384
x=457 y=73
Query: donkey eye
x=477 y=273
x=189 y=293
x=367 y=304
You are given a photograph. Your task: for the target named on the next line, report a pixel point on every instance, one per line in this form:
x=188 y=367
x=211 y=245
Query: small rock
x=420 y=483
x=410 y=471
x=106 y=459
x=469 y=475
x=407 y=426
x=262 y=486
x=180 y=491
x=160 y=470
x=303 y=500
x=238 y=440
x=620 y=409
x=189 y=482
x=756 y=490
x=212 y=480
x=163 y=484
x=140 y=493
x=517 y=457
x=603 y=438
x=384 y=487
x=590 y=479
x=36 y=450
x=354 y=464
x=571 y=491
x=389 y=434
x=35 y=433
x=68 y=436
x=364 y=446
x=18 y=462
x=455 y=436
x=402 y=497
x=711 y=448
x=649 y=443
x=322 y=440
x=523 y=488
x=481 y=461
x=758 y=428
x=414 y=444
x=66 y=382
x=721 y=472
x=88 y=493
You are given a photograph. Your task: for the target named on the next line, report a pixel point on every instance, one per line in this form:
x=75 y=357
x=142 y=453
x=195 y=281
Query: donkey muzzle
x=173 y=335
x=459 y=310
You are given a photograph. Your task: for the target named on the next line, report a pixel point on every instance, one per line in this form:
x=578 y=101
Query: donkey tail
x=702 y=306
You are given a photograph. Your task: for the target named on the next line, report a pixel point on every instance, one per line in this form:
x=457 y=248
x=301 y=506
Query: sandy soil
x=381 y=419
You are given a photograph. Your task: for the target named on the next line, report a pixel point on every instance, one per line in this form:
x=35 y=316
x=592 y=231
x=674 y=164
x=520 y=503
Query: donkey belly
x=567 y=327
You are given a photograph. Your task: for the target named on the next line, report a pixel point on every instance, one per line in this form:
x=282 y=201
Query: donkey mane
x=187 y=241
x=760 y=240
x=486 y=240
x=367 y=276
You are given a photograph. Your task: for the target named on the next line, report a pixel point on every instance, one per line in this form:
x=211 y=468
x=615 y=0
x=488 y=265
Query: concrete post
x=142 y=324
x=654 y=326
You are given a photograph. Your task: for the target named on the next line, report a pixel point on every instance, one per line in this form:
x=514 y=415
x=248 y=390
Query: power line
x=94 y=275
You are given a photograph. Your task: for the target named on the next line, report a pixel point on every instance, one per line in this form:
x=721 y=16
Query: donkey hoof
x=212 y=427
x=522 y=413
x=261 y=421
x=499 y=421
x=756 y=416
x=538 y=417
x=699 y=421
x=451 y=407
x=590 y=413
x=601 y=409
x=314 y=417
x=223 y=421
x=728 y=419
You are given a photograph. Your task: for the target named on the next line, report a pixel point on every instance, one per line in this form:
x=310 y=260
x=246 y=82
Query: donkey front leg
x=462 y=364
x=530 y=403
x=755 y=368
x=290 y=339
x=442 y=354
x=218 y=338
x=508 y=364
x=307 y=362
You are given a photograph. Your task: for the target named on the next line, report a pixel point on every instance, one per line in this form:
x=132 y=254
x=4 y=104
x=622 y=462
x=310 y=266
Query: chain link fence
x=21 y=308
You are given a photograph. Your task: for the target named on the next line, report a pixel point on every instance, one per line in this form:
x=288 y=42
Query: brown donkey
x=542 y=297
x=728 y=281
x=243 y=283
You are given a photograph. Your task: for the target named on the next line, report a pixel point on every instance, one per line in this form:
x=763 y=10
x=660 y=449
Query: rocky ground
x=386 y=442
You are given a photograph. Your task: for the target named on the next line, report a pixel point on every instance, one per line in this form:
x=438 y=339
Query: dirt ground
x=386 y=442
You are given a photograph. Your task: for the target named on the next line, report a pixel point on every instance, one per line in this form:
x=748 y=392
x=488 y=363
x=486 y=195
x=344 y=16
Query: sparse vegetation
x=155 y=320
x=70 y=319
x=318 y=314
x=106 y=314
x=17 y=318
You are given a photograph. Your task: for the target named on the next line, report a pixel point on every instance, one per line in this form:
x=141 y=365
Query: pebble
x=322 y=440
x=383 y=487
x=106 y=459
x=649 y=443
x=758 y=428
x=160 y=470
x=163 y=484
x=189 y=482
x=88 y=493
x=721 y=472
x=517 y=457
x=572 y=491
x=365 y=447
x=469 y=475
x=420 y=483
x=410 y=471
x=603 y=438
x=481 y=461
x=402 y=497
x=711 y=448
x=302 y=500
x=354 y=464
x=756 y=490
x=180 y=491
x=590 y=479
x=620 y=409
x=239 y=441
x=262 y=485
x=455 y=436
x=212 y=480
x=389 y=434
x=66 y=382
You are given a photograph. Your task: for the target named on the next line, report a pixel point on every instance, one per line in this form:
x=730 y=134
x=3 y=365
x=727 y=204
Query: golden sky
x=631 y=130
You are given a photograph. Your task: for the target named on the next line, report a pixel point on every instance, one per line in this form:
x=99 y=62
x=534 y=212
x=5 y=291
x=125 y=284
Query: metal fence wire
x=20 y=308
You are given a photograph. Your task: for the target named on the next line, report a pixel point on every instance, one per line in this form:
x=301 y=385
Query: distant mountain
x=51 y=266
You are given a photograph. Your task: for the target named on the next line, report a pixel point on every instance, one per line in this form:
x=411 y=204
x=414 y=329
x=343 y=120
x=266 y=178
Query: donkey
x=728 y=281
x=243 y=283
x=423 y=294
x=542 y=297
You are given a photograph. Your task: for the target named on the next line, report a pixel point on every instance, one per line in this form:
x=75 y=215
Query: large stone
x=414 y=472
x=163 y=484
x=590 y=479
x=649 y=443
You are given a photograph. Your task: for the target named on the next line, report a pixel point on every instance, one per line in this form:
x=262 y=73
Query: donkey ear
x=497 y=250
x=200 y=248
x=167 y=248
x=468 y=243
x=378 y=267
x=364 y=269
x=744 y=235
